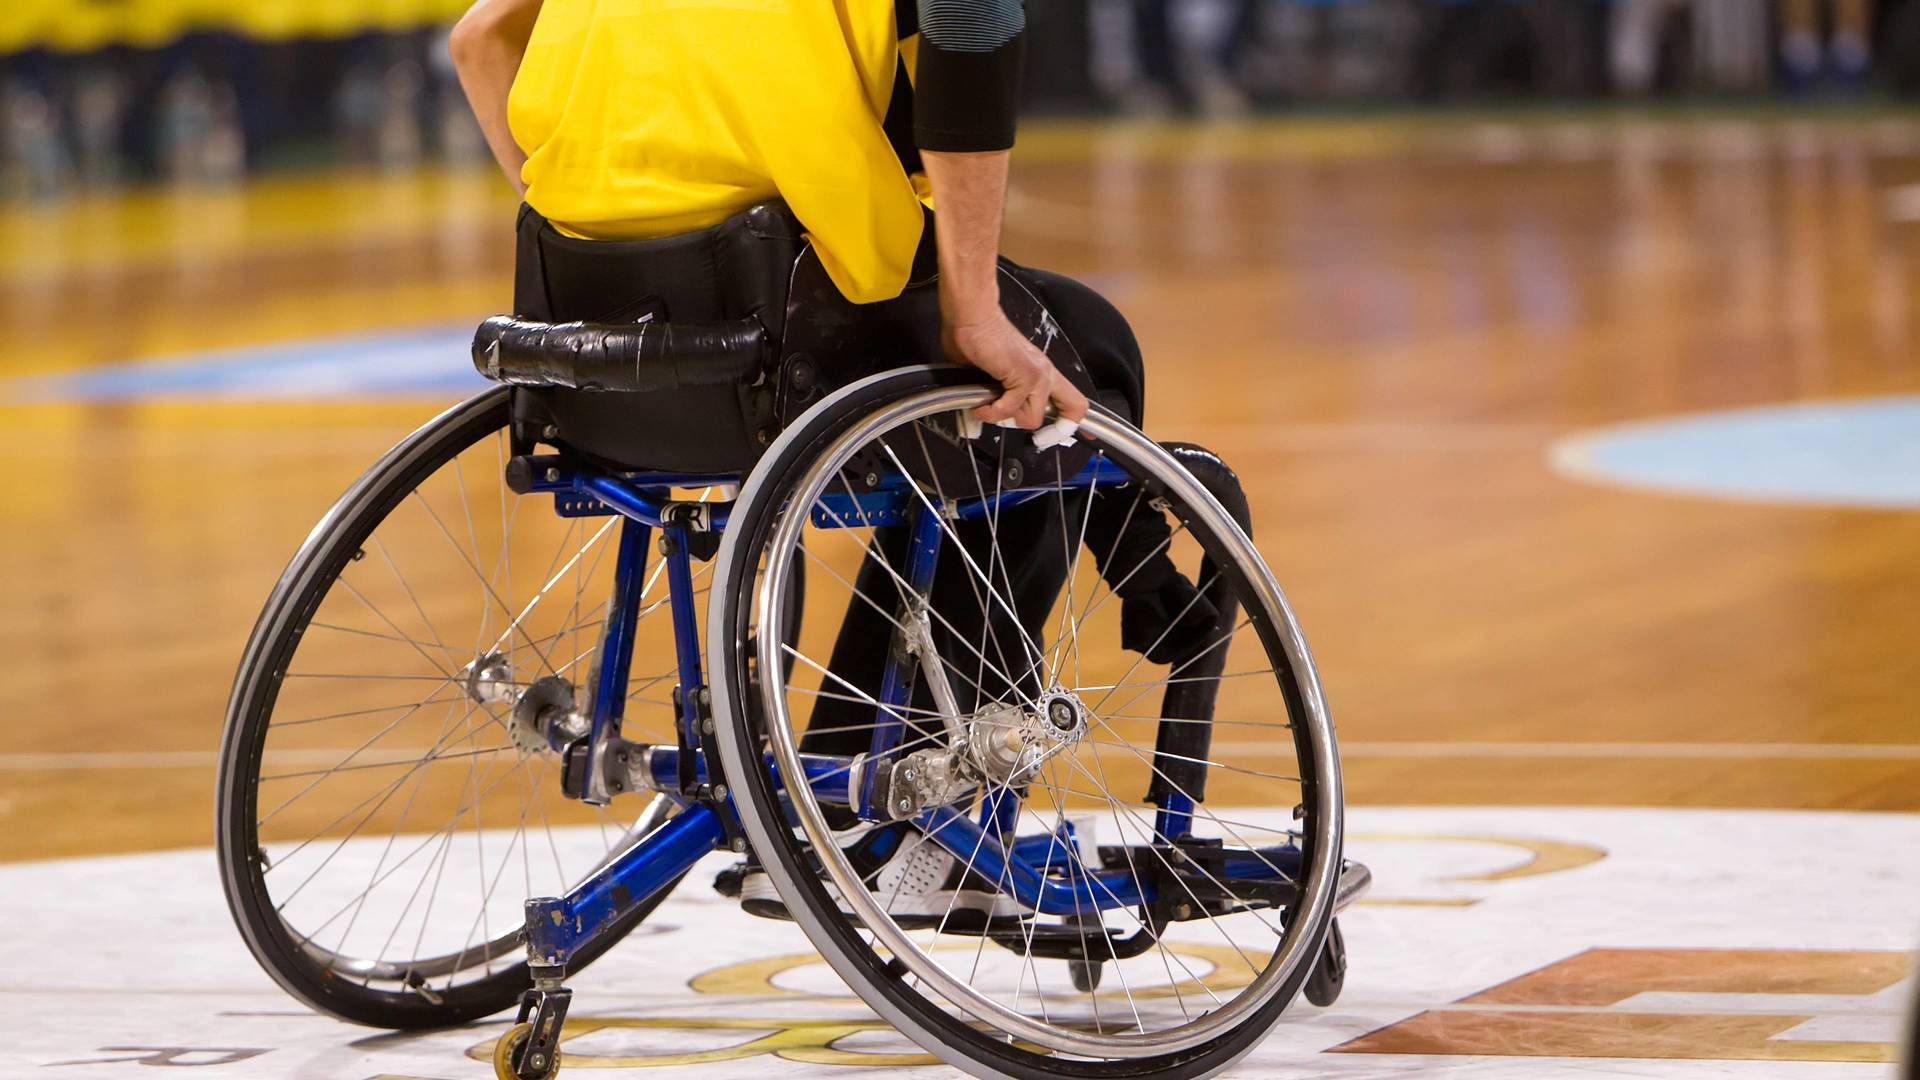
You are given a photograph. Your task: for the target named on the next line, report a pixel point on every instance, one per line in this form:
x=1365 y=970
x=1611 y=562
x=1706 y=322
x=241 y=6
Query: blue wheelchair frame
x=1028 y=868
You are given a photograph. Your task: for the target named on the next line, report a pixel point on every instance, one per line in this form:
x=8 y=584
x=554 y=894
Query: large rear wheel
x=382 y=814
x=1058 y=695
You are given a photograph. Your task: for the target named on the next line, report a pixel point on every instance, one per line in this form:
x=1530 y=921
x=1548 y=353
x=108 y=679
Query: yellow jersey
x=647 y=118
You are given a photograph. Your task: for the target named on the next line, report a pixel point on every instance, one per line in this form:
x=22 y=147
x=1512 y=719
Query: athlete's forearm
x=969 y=192
x=487 y=44
x=969 y=197
x=966 y=92
x=965 y=101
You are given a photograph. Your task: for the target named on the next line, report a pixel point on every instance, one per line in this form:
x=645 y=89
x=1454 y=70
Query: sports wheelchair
x=446 y=785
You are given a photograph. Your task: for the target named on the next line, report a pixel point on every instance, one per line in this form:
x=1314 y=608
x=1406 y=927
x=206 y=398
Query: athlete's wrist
x=967 y=303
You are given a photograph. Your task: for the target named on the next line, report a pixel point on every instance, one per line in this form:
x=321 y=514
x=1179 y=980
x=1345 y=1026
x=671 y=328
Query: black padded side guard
x=1181 y=751
x=627 y=357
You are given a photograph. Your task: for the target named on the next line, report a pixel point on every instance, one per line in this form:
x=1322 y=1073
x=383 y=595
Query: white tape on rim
x=1058 y=433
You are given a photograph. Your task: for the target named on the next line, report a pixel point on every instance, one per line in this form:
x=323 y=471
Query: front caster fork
x=530 y=1049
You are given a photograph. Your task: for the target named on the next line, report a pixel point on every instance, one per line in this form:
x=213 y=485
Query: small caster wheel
x=508 y=1051
x=1330 y=971
x=1085 y=974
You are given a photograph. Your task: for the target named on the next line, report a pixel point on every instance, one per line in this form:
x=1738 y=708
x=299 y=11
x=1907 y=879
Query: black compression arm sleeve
x=966 y=91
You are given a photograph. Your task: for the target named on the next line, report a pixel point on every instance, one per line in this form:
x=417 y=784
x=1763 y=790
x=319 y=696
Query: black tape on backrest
x=628 y=357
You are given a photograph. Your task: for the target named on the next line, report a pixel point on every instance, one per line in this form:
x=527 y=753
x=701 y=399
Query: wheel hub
x=1009 y=741
x=537 y=714
x=546 y=715
x=1061 y=716
x=489 y=680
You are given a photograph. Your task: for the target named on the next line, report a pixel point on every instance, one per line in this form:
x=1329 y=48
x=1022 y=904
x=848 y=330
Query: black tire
x=257 y=686
x=956 y=1040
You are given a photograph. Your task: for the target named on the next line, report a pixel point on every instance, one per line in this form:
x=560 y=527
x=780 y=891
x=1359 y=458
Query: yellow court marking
x=814 y=1040
x=809 y=1041
x=1543 y=856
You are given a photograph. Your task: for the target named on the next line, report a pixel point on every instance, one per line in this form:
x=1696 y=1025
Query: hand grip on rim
x=1058 y=433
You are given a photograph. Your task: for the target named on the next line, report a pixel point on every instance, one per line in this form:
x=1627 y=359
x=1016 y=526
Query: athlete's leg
x=1126 y=547
x=1636 y=43
x=1100 y=334
x=1849 y=47
x=1800 y=39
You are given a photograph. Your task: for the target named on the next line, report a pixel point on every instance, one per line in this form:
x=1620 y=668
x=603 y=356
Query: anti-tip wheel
x=1085 y=975
x=507 y=1050
x=1330 y=971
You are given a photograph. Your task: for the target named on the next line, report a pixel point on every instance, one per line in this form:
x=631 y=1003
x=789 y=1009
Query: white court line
x=1659 y=750
x=1356 y=748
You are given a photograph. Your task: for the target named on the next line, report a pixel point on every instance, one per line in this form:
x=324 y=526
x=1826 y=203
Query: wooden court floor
x=1385 y=325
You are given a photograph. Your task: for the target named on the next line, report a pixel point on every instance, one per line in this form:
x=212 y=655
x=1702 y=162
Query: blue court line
x=424 y=361
x=1859 y=453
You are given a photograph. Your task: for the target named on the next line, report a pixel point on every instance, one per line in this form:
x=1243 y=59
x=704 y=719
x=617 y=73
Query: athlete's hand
x=994 y=345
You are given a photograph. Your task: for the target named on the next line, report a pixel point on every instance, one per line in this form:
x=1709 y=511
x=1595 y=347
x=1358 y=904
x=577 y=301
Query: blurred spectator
x=458 y=133
x=99 y=106
x=1897 y=58
x=399 y=140
x=1729 y=42
x=1186 y=54
x=1489 y=49
x=1847 y=51
x=200 y=138
x=36 y=160
x=211 y=104
x=356 y=114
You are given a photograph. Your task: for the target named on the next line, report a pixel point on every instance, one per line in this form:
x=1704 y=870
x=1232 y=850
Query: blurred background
x=1569 y=351
x=209 y=92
